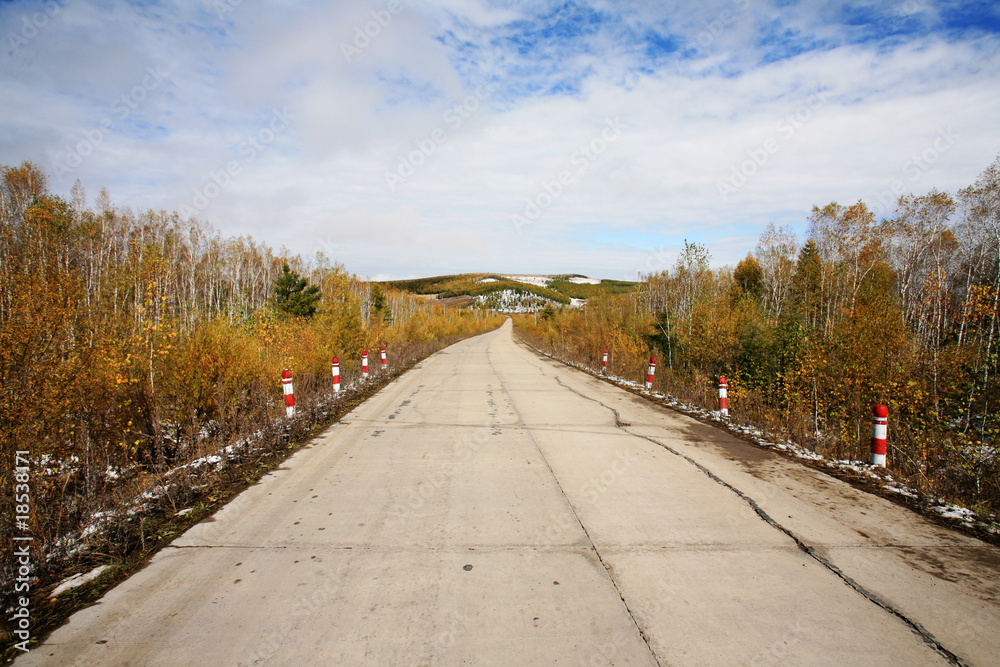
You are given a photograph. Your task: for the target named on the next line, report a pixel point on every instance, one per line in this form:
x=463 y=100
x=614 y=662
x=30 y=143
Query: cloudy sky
x=408 y=138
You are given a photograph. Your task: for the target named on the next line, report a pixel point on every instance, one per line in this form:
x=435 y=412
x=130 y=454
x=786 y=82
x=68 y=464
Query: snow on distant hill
x=537 y=281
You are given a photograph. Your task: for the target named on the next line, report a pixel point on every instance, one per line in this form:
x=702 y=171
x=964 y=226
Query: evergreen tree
x=294 y=295
x=807 y=285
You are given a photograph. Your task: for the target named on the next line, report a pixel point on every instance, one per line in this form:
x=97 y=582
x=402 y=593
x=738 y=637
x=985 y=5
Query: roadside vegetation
x=141 y=359
x=903 y=311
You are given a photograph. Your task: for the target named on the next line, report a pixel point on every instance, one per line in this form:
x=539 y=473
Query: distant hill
x=510 y=292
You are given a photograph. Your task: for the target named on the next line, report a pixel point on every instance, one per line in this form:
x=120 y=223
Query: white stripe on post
x=335 y=371
x=880 y=432
x=723 y=396
x=649 y=375
x=286 y=384
x=364 y=365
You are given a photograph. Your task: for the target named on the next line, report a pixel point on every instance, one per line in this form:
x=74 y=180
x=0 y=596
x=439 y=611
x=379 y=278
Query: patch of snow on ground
x=511 y=301
x=585 y=281
x=78 y=580
x=900 y=490
x=537 y=281
x=962 y=514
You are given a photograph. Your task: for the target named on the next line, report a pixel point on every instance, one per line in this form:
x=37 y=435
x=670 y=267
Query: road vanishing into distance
x=493 y=507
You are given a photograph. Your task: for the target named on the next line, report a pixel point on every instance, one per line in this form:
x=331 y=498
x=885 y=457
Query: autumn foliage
x=902 y=311
x=131 y=344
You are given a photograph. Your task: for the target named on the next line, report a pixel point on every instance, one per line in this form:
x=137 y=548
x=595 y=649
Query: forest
x=134 y=345
x=810 y=334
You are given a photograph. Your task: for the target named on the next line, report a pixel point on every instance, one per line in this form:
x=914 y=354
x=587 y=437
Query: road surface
x=497 y=508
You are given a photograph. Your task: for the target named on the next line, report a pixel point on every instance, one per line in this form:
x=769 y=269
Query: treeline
x=902 y=311
x=131 y=343
x=585 y=291
x=476 y=285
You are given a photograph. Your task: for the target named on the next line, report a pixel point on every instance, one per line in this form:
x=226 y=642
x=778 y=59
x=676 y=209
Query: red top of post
x=880 y=410
x=286 y=374
x=335 y=360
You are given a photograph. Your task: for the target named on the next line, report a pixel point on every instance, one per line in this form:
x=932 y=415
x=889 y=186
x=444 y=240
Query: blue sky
x=416 y=137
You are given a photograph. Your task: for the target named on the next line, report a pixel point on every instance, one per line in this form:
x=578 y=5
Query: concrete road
x=491 y=507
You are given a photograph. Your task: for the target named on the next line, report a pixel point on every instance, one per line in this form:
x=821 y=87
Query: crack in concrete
x=915 y=627
x=221 y=546
x=607 y=568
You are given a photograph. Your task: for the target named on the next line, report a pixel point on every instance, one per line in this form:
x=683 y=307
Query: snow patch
x=512 y=301
x=537 y=281
x=78 y=580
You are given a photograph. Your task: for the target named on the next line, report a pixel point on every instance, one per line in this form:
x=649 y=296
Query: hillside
x=512 y=293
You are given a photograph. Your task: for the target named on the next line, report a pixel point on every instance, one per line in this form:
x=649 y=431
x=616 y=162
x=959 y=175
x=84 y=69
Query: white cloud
x=318 y=181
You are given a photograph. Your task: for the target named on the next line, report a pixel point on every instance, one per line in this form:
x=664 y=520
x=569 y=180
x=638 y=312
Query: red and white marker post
x=286 y=384
x=384 y=360
x=880 y=431
x=364 y=365
x=649 y=375
x=723 y=396
x=604 y=363
x=335 y=372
